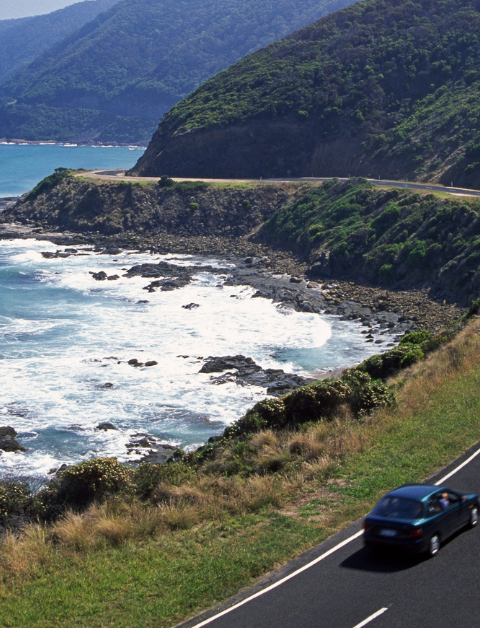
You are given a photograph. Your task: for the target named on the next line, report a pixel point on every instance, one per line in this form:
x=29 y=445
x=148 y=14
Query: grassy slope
x=139 y=59
x=158 y=582
x=398 y=82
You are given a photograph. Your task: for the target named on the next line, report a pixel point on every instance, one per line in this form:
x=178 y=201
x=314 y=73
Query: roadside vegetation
x=117 y=546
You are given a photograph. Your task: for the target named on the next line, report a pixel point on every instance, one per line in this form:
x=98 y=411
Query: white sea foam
x=63 y=336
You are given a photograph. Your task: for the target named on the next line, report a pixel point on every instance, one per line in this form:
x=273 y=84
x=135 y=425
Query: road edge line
x=456 y=469
x=371 y=618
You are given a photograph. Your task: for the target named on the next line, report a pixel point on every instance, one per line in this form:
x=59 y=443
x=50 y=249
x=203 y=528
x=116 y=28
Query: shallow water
x=63 y=336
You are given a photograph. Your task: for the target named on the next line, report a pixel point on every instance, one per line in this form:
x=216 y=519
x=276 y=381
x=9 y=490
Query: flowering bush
x=92 y=480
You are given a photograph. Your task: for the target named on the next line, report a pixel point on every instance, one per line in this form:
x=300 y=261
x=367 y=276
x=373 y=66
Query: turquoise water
x=23 y=166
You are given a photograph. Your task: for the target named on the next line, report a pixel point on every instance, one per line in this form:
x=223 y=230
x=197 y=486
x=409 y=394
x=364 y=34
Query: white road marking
x=371 y=618
x=277 y=584
x=460 y=466
x=317 y=560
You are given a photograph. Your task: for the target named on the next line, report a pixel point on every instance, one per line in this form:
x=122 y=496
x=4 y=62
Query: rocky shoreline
x=275 y=275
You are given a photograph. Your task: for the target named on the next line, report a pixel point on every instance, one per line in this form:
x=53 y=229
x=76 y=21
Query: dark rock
x=7 y=433
x=151 y=363
x=113 y=277
x=110 y=250
x=248 y=373
x=133 y=361
x=10 y=445
x=100 y=276
x=160 y=455
x=217 y=365
x=106 y=426
x=190 y=306
x=295 y=280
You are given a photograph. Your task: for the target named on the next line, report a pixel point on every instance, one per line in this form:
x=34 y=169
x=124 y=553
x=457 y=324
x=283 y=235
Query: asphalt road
x=353 y=587
x=115 y=175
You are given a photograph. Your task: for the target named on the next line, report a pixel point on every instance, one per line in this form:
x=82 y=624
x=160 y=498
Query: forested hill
x=24 y=39
x=115 y=78
x=384 y=88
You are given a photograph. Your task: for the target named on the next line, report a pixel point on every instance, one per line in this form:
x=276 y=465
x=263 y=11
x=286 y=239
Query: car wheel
x=434 y=545
x=473 y=517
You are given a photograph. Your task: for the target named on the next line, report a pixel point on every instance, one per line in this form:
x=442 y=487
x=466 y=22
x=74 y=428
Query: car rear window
x=399 y=508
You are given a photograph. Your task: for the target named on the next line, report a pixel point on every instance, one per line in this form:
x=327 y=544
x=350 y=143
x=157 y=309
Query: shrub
x=411 y=357
x=313 y=403
x=474 y=308
x=416 y=337
x=78 y=486
x=166 y=182
x=15 y=498
x=194 y=206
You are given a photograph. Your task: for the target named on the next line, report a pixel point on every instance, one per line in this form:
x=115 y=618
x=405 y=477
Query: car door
x=459 y=511
x=451 y=512
x=437 y=516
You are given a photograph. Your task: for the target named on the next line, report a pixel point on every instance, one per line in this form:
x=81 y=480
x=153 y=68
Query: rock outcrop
x=245 y=372
x=8 y=443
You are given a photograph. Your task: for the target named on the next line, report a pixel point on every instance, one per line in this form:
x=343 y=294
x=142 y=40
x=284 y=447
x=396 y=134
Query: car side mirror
x=464 y=498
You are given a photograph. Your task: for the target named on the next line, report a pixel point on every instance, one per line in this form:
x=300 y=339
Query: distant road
x=116 y=175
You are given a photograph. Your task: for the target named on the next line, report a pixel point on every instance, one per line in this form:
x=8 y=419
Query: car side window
x=434 y=505
x=453 y=498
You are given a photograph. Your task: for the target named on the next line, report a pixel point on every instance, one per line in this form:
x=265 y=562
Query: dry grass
x=286 y=467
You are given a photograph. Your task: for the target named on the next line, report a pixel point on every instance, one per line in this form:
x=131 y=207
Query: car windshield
x=399 y=508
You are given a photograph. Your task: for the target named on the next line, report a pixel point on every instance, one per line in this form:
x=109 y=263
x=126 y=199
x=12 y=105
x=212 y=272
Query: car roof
x=414 y=491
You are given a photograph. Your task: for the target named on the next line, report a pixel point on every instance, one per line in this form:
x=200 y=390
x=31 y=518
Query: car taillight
x=416 y=534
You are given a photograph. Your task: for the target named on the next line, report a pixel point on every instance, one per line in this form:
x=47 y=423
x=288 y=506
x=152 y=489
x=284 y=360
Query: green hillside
x=381 y=88
x=136 y=61
x=387 y=237
x=24 y=39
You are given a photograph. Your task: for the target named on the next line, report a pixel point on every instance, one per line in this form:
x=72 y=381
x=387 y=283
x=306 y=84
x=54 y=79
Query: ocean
x=66 y=339
x=22 y=166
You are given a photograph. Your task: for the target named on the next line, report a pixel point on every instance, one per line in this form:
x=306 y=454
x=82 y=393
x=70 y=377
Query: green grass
x=158 y=583
x=416 y=448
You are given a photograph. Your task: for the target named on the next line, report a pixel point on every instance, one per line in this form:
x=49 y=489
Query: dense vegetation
x=24 y=39
x=392 y=237
x=382 y=87
x=137 y=60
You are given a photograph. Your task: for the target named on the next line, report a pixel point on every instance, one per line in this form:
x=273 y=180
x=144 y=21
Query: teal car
x=418 y=518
